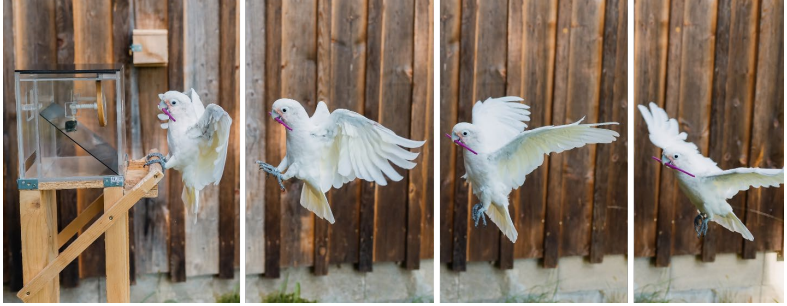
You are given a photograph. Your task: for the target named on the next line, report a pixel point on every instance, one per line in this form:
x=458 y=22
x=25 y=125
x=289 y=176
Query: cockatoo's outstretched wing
x=500 y=120
x=362 y=148
x=664 y=131
x=526 y=151
x=212 y=132
x=730 y=182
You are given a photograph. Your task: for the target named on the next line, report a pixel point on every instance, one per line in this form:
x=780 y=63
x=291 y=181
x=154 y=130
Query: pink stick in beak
x=461 y=144
x=168 y=114
x=281 y=122
x=672 y=166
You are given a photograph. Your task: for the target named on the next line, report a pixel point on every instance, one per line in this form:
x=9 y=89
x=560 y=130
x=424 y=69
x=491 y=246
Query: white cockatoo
x=707 y=186
x=197 y=137
x=501 y=152
x=330 y=149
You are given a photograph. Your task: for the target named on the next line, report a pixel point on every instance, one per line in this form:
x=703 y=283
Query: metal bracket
x=27 y=184
x=113 y=181
x=136 y=48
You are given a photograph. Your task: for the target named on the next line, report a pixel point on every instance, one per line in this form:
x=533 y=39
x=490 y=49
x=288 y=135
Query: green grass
x=230 y=297
x=653 y=294
x=283 y=297
x=537 y=294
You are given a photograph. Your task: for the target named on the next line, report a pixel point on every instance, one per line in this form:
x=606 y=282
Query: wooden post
x=118 y=280
x=37 y=211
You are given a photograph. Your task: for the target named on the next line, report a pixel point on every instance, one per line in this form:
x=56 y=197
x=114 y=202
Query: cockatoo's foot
x=160 y=160
x=478 y=213
x=701 y=224
x=270 y=169
x=697 y=224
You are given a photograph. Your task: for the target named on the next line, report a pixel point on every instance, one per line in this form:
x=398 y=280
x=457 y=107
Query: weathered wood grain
x=450 y=35
x=764 y=205
x=346 y=90
x=228 y=87
x=255 y=137
x=553 y=214
x=273 y=138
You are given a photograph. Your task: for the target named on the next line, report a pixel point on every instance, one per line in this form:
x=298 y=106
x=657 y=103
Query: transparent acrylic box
x=70 y=124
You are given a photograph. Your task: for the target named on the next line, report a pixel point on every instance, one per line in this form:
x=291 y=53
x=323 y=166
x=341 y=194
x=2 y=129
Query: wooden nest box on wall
x=149 y=47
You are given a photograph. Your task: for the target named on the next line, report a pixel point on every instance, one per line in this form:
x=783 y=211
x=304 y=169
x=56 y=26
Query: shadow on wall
x=729 y=279
x=574 y=280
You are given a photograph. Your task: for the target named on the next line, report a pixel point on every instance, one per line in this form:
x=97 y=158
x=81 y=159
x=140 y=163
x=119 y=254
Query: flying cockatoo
x=330 y=149
x=501 y=152
x=707 y=186
x=197 y=137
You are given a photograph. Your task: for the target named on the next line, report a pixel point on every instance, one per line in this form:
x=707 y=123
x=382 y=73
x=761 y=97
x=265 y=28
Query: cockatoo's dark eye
x=283 y=110
x=675 y=156
x=464 y=133
x=174 y=102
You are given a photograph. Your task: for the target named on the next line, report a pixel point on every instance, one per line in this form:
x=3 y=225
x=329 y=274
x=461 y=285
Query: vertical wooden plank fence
x=716 y=66
x=164 y=236
x=567 y=59
x=372 y=57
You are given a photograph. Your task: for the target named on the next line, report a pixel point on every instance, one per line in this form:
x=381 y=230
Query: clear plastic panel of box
x=70 y=122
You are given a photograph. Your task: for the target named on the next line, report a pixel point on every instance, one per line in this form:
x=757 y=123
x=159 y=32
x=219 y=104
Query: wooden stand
x=40 y=240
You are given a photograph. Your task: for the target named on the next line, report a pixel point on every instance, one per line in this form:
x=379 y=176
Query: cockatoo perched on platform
x=330 y=149
x=197 y=137
x=501 y=153
x=707 y=186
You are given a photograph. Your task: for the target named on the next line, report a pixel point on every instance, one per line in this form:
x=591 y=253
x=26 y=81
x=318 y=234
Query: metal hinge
x=113 y=181
x=27 y=184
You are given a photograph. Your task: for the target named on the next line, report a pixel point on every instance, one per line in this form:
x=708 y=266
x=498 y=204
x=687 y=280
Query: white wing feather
x=362 y=148
x=500 y=120
x=526 y=152
x=730 y=182
x=196 y=102
x=664 y=131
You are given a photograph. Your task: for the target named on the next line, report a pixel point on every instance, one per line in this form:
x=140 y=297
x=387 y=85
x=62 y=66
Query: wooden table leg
x=118 y=281
x=38 y=218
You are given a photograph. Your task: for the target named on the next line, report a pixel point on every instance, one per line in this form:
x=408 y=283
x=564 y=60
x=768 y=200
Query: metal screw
x=27 y=293
x=110 y=218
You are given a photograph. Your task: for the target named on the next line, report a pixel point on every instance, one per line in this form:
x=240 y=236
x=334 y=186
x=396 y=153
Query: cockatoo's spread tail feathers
x=732 y=223
x=500 y=216
x=314 y=200
x=328 y=150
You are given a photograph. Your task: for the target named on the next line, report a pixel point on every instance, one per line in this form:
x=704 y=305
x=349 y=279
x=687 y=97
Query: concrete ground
x=728 y=279
x=150 y=288
x=388 y=282
x=574 y=280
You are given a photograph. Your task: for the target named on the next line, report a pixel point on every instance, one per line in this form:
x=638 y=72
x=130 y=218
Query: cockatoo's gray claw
x=160 y=160
x=698 y=224
x=701 y=224
x=478 y=214
x=270 y=169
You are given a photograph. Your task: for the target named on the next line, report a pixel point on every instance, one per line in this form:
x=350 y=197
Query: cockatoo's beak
x=669 y=162
x=458 y=140
x=164 y=107
x=278 y=119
